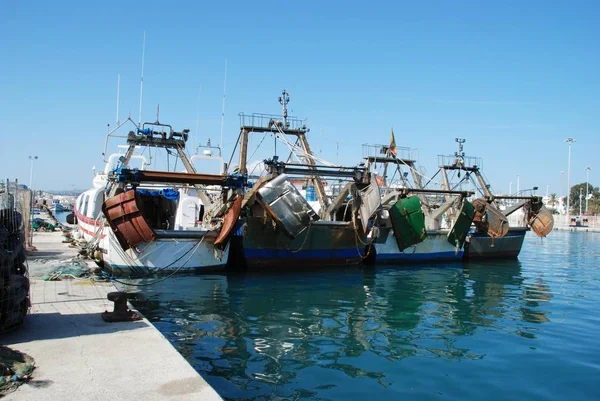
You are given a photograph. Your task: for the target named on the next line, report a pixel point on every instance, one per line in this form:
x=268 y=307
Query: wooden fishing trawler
x=138 y=221
x=280 y=228
x=491 y=235
x=409 y=230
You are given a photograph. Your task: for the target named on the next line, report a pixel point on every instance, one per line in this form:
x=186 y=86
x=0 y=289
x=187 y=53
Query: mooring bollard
x=121 y=313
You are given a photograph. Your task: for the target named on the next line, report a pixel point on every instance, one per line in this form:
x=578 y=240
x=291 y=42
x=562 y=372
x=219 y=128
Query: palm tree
x=553 y=200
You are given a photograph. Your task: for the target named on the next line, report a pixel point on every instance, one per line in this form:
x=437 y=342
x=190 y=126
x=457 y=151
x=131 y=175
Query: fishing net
x=15 y=368
x=15 y=205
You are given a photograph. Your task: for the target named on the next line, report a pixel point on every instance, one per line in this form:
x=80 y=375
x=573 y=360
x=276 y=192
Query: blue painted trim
x=420 y=257
x=302 y=254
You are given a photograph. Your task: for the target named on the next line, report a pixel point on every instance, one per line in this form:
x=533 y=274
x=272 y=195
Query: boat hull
x=171 y=251
x=322 y=244
x=168 y=254
x=482 y=246
x=435 y=248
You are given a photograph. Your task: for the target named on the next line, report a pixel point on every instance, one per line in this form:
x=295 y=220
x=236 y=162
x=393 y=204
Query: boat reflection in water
x=256 y=335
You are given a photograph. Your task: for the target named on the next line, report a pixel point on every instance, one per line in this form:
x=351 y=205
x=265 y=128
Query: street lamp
x=587 y=188
x=518 y=183
x=32 y=158
x=570 y=142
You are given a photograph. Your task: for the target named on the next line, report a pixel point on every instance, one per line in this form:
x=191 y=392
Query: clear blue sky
x=514 y=78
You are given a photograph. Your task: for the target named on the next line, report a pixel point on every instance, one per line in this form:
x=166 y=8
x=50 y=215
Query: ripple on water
x=499 y=330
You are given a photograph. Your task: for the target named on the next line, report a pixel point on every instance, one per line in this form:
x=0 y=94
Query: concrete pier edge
x=79 y=356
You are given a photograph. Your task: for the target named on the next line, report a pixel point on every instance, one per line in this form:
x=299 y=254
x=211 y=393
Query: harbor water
x=500 y=330
x=62 y=216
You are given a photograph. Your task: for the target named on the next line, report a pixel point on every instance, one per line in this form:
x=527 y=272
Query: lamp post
x=518 y=183
x=32 y=158
x=580 y=203
x=587 y=188
x=570 y=142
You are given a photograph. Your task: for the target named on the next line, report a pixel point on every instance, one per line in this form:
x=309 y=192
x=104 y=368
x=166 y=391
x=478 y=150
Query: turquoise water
x=504 y=330
x=62 y=216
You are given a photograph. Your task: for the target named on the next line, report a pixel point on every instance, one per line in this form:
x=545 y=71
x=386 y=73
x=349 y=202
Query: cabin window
x=85 y=205
x=98 y=204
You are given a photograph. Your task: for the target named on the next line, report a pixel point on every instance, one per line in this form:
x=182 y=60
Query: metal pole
x=31 y=173
x=518 y=183
x=580 y=202
x=570 y=142
x=587 y=188
x=223 y=107
x=118 y=95
x=142 y=81
x=32 y=158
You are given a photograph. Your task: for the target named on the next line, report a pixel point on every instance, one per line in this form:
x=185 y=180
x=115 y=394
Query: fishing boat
x=409 y=230
x=280 y=228
x=491 y=235
x=57 y=207
x=138 y=221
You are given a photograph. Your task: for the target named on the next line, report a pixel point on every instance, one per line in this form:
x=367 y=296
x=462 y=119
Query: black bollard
x=121 y=313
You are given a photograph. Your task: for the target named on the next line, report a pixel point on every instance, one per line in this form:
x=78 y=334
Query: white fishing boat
x=57 y=207
x=491 y=235
x=140 y=221
x=410 y=227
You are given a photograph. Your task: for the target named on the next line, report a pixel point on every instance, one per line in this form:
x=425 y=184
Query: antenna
x=284 y=99
x=460 y=155
x=197 y=134
x=118 y=93
x=142 y=80
x=223 y=109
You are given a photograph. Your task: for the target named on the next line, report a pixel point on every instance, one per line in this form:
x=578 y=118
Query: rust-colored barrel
x=126 y=220
x=488 y=219
x=541 y=222
x=497 y=222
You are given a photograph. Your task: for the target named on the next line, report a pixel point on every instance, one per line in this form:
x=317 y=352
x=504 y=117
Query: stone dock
x=591 y=229
x=80 y=357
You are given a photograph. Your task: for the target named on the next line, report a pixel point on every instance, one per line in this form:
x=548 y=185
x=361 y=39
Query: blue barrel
x=311 y=194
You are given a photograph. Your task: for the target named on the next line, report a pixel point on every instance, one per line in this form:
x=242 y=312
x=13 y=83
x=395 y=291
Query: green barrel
x=461 y=226
x=408 y=221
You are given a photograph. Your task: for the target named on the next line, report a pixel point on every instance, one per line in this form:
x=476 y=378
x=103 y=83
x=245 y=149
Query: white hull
x=434 y=248
x=163 y=255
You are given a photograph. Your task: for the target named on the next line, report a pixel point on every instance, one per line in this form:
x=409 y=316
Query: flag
x=392 y=149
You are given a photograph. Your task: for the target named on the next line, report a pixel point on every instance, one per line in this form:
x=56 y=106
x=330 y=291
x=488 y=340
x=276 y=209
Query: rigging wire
x=166 y=267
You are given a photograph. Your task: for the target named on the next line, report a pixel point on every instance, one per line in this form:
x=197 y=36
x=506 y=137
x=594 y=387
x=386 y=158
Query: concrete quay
x=80 y=357
x=591 y=229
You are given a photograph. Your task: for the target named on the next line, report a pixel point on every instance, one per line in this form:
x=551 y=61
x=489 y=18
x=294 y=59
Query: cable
x=163 y=268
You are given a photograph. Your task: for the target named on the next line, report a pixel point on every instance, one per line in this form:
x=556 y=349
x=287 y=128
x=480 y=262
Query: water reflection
x=255 y=335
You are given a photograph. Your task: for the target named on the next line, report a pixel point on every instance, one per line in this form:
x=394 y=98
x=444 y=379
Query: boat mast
x=284 y=99
x=142 y=80
x=118 y=95
x=223 y=107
